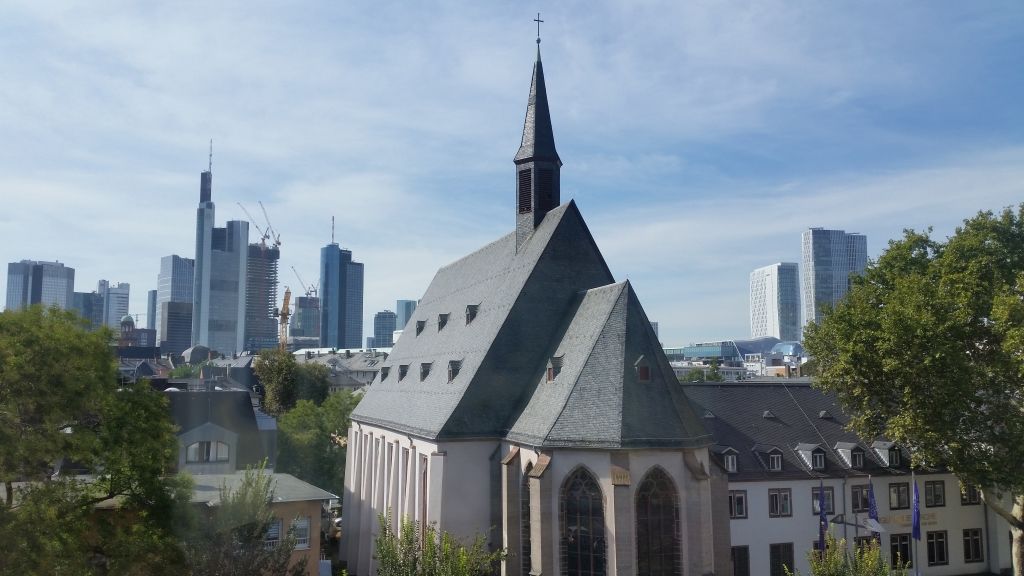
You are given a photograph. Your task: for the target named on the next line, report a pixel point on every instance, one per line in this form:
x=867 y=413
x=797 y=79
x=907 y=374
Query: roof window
x=453 y=369
x=384 y=371
x=643 y=369
x=403 y=369
x=471 y=311
x=442 y=321
x=818 y=460
x=554 y=367
x=419 y=326
x=768 y=414
x=425 y=370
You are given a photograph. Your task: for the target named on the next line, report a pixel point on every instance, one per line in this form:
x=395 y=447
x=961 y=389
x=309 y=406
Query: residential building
x=348 y=369
x=775 y=301
x=341 y=298
x=261 y=325
x=151 y=310
x=403 y=311
x=781 y=441
x=529 y=399
x=174 y=283
x=384 y=329
x=830 y=259
x=89 y=305
x=219 y=286
x=115 y=302
x=36 y=282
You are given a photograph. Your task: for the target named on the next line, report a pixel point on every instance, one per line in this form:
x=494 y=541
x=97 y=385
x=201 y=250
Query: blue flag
x=822 y=518
x=872 y=507
x=915 y=527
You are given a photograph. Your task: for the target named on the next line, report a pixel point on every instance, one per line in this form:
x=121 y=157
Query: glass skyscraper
x=48 y=283
x=775 y=302
x=404 y=310
x=115 y=302
x=830 y=259
x=341 y=299
x=174 y=283
x=384 y=329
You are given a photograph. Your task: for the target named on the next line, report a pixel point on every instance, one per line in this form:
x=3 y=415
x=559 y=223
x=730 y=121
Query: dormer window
x=768 y=415
x=403 y=369
x=425 y=370
x=203 y=452
x=471 y=311
x=453 y=369
x=818 y=460
x=384 y=371
x=857 y=459
x=419 y=326
x=729 y=461
x=442 y=321
x=643 y=369
x=775 y=462
x=554 y=367
x=894 y=457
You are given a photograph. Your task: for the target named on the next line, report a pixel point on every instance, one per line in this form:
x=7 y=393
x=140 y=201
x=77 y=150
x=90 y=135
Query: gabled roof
x=231 y=410
x=523 y=296
x=597 y=399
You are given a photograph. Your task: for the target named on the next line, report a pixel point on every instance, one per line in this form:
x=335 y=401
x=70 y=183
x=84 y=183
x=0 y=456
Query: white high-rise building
x=775 y=302
x=830 y=259
x=115 y=302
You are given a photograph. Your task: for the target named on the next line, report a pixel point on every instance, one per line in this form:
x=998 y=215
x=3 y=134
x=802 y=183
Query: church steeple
x=537 y=162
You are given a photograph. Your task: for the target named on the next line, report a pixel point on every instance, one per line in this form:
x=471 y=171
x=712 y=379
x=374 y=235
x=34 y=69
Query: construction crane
x=310 y=289
x=283 y=314
x=270 y=229
x=263 y=234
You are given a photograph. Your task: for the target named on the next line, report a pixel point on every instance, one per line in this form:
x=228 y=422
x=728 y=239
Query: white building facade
x=775 y=301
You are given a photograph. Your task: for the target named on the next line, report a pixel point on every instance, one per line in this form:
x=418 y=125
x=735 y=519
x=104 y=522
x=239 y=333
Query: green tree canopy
x=311 y=440
x=927 y=350
x=285 y=381
x=60 y=403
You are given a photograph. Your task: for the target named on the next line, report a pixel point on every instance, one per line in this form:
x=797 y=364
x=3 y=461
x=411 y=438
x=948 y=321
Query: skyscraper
x=830 y=259
x=341 y=298
x=306 y=319
x=115 y=302
x=175 y=335
x=775 y=302
x=151 y=310
x=261 y=297
x=404 y=310
x=384 y=329
x=33 y=282
x=89 y=305
x=174 y=283
x=219 y=286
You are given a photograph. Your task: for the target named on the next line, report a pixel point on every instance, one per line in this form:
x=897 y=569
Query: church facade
x=529 y=399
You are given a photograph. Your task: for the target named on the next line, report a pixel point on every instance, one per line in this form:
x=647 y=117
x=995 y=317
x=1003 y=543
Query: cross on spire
x=538 y=21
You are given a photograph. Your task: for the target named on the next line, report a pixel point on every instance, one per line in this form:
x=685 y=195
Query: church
x=528 y=399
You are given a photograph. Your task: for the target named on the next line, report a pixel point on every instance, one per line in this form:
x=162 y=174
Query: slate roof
x=733 y=412
x=552 y=297
x=230 y=409
x=538 y=137
x=286 y=488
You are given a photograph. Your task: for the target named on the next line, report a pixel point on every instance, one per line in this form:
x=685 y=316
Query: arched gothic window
x=583 y=549
x=657 y=526
x=524 y=519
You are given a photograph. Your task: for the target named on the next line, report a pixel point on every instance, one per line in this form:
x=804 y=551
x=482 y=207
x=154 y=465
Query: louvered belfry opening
x=537 y=162
x=525 y=191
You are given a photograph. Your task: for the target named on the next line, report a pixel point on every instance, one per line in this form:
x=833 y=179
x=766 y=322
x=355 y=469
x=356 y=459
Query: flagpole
x=915 y=527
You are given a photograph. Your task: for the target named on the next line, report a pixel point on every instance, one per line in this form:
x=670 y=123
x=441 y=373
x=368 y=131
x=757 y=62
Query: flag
x=872 y=507
x=822 y=517
x=915 y=527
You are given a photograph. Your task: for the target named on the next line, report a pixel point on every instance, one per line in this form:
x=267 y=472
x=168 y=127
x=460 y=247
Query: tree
x=60 y=402
x=403 y=554
x=927 y=349
x=285 y=381
x=311 y=440
x=837 y=560
x=231 y=539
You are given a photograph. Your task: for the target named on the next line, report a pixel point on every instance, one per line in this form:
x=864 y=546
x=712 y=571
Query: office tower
x=115 y=302
x=403 y=311
x=175 y=334
x=34 y=282
x=830 y=259
x=306 y=318
x=174 y=283
x=89 y=305
x=218 y=288
x=370 y=342
x=341 y=298
x=384 y=329
x=775 y=302
x=261 y=325
x=151 y=310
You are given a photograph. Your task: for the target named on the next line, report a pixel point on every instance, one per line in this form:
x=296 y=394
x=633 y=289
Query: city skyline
x=733 y=129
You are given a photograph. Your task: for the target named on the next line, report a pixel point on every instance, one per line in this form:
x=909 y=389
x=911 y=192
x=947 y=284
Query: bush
x=401 y=554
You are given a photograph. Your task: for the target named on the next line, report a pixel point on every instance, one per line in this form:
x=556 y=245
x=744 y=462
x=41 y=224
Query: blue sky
x=699 y=138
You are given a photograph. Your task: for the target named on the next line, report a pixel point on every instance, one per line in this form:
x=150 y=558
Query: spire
x=538 y=137
x=206 y=180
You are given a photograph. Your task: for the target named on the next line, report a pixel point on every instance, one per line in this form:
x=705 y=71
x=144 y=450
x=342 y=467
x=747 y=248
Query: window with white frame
x=899 y=496
x=273 y=537
x=934 y=493
x=895 y=457
x=829 y=501
x=775 y=462
x=206 y=451
x=857 y=459
x=300 y=528
x=859 y=498
x=938 y=551
x=729 y=460
x=737 y=504
x=780 y=502
x=818 y=460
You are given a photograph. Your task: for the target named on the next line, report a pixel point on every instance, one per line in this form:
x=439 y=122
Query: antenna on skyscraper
x=332 y=229
x=211 y=157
